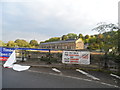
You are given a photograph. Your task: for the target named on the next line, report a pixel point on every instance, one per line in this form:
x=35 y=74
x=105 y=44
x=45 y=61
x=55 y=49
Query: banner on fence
x=5 y=52
x=76 y=57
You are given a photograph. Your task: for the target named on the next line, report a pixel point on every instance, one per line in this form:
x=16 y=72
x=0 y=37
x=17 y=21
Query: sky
x=43 y=19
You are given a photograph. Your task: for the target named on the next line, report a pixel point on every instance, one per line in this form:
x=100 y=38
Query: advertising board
x=5 y=52
x=76 y=57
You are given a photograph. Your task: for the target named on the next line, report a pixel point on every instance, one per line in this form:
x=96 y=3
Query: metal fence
x=96 y=59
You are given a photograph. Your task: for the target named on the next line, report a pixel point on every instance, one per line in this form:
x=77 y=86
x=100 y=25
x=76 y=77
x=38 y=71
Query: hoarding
x=5 y=52
x=76 y=57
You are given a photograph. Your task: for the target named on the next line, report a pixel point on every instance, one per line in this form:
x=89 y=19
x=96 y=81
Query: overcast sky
x=42 y=19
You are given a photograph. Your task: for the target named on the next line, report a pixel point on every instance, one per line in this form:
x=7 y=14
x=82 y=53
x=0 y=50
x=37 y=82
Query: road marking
x=109 y=85
x=87 y=74
x=75 y=78
x=56 y=70
x=115 y=76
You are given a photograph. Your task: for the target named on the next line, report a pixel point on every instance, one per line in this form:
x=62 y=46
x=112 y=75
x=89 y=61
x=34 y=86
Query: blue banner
x=6 y=52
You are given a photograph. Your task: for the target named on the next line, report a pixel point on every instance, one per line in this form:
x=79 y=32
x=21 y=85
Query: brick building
x=67 y=44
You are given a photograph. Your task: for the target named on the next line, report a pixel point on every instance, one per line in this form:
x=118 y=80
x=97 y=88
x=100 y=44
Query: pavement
x=85 y=72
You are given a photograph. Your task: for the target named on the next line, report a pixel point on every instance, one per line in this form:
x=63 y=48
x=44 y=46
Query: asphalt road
x=28 y=79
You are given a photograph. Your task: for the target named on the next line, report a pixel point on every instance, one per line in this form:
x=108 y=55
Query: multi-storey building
x=67 y=44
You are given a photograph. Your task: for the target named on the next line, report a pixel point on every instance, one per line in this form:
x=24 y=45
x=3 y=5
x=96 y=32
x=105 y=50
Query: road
x=31 y=79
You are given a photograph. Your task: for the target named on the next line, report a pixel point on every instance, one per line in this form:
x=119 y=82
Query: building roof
x=63 y=41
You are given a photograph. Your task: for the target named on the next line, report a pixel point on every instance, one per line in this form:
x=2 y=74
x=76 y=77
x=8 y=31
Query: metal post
x=22 y=56
x=105 y=61
x=118 y=52
x=49 y=56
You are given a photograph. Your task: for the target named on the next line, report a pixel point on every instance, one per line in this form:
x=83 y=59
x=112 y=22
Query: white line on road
x=87 y=74
x=56 y=70
x=115 y=76
x=109 y=85
x=75 y=78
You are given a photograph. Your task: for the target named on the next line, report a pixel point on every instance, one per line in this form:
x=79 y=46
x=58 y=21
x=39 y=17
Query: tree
x=53 y=39
x=86 y=41
x=104 y=27
x=11 y=44
x=42 y=42
x=64 y=37
x=95 y=46
x=92 y=40
x=100 y=36
x=33 y=43
x=17 y=41
x=87 y=36
x=80 y=36
x=72 y=36
x=2 y=43
x=21 y=43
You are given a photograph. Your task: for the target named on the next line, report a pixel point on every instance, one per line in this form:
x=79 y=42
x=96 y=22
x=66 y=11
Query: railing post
x=22 y=56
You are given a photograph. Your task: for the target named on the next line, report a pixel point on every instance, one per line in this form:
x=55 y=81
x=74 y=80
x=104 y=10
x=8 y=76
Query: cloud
x=51 y=18
x=26 y=36
x=74 y=13
x=0 y=21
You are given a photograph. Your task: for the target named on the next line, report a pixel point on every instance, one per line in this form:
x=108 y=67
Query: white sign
x=84 y=57
x=76 y=57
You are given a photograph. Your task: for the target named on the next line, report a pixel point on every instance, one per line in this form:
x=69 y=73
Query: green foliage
x=11 y=44
x=100 y=36
x=109 y=38
x=22 y=43
x=80 y=36
x=72 y=36
x=33 y=43
x=102 y=41
x=42 y=42
x=53 y=39
x=94 y=46
x=92 y=40
x=86 y=41
x=64 y=37
x=2 y=43
x=87 y=37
